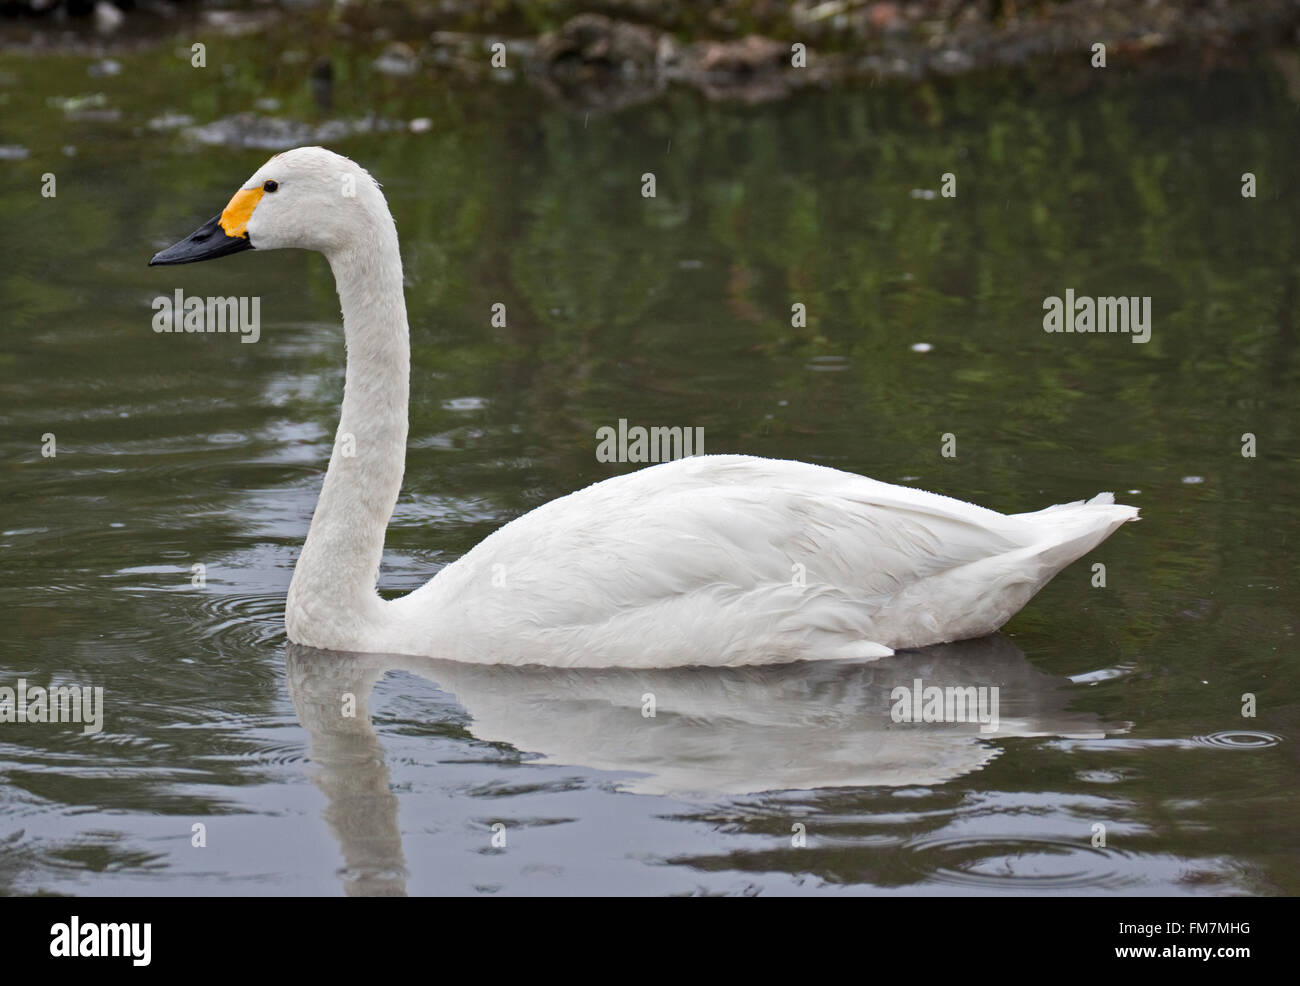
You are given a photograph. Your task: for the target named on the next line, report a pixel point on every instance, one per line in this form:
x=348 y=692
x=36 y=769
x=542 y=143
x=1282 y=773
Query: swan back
x=750 y=561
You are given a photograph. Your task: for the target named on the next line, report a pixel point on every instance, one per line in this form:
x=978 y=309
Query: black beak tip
x=207 y=242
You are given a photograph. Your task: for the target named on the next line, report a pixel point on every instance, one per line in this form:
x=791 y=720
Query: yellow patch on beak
x=234 y=218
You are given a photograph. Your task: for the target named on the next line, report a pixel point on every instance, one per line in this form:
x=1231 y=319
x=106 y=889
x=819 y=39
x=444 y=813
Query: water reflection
x=331 y=693
x=714 y=732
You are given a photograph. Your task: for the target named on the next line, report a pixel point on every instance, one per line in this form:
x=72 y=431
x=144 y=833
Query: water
x=1121 y=705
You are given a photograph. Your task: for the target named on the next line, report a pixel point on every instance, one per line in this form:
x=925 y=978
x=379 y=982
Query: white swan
x=715 y=560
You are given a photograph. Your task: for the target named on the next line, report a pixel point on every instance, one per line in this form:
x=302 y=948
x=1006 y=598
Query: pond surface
x=1121 y=704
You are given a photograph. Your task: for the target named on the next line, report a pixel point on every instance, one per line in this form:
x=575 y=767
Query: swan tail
x=1078 y=506
x=1068 y=531
x=980 y=597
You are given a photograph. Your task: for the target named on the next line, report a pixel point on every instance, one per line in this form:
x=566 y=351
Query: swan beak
x=206 y=243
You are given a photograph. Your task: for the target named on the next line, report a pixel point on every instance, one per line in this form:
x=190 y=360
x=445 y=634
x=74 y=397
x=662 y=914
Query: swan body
x=717 y=560
x=730 y=559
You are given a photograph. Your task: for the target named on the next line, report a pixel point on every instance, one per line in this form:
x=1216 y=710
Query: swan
x=716 y=560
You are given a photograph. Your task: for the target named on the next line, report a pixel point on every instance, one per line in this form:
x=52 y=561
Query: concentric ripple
x=1018 y=863
x=1238 y=739
x=248 y=620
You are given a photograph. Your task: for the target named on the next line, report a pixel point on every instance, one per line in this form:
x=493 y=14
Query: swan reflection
x=713 y=732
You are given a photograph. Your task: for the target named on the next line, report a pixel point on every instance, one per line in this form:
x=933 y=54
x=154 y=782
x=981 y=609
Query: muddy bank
x=618 y=52
x=820 y=44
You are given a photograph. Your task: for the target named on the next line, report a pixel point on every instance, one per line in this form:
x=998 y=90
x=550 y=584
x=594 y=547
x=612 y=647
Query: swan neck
x=333 y=597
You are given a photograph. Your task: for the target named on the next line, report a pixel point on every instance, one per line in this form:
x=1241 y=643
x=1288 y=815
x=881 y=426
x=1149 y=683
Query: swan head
x=308 y=198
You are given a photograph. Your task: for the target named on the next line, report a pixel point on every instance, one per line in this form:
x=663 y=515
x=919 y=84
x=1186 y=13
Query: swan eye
x=270 y=185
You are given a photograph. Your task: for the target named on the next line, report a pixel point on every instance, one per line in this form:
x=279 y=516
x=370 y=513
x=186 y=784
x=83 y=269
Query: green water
x=177 y=450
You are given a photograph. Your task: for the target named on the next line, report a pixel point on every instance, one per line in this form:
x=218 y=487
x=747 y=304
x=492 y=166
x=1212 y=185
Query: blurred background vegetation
x=716 y=38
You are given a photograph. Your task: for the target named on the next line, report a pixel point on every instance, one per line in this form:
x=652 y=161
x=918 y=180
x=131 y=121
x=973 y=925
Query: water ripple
x=1018 y=863
x=244 y=620
x=1228 y=739
x=1238 y=739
